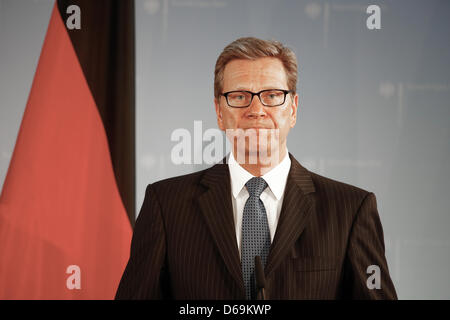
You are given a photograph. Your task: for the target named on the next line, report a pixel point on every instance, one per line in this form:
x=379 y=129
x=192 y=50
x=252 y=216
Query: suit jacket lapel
x=295 y=211
x=216 y=207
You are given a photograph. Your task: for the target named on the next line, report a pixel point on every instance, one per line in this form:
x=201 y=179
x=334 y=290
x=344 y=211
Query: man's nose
x=256 y=109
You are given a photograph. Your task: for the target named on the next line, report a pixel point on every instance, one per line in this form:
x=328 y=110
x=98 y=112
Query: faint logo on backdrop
x=388 y=90
x=199 y=3
x=152 y=6
x=315 y=10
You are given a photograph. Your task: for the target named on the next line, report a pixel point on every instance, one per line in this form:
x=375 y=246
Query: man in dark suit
x=197 y=235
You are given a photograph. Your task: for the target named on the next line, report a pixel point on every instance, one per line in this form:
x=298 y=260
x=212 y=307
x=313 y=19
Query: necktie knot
x=256 y=186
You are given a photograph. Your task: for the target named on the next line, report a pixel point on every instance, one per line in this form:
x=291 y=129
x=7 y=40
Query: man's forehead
x=268 y=64
x=268 y=68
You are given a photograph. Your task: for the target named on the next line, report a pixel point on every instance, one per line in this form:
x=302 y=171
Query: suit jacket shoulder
x=336 y=193
x=178 y=190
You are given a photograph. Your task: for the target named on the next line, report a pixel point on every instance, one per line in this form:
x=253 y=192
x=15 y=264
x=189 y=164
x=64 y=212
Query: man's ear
x=219 y=114
x=294 y=107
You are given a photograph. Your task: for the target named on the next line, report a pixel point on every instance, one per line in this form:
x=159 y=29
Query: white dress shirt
x=272 y=196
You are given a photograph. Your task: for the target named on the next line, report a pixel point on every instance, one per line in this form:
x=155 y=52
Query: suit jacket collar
x=216 y=206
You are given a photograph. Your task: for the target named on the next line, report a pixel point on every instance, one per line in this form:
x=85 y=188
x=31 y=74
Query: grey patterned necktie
x=255 y=234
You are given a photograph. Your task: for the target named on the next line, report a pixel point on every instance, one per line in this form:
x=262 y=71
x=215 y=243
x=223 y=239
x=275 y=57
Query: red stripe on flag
x=60 y=204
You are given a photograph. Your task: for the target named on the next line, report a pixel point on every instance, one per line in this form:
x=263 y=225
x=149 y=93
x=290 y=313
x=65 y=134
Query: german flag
x=67 y=204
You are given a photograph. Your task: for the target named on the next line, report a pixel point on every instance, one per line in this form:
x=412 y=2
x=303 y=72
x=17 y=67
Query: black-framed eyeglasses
x=268 y=97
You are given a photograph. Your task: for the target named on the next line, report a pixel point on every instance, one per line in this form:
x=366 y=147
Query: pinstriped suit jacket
x=184 y=243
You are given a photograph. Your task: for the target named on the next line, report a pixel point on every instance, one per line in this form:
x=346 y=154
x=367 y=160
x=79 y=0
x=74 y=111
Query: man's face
x=257 y=75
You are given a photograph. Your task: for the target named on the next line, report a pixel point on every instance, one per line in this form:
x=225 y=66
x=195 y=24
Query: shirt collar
x=276 y=178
